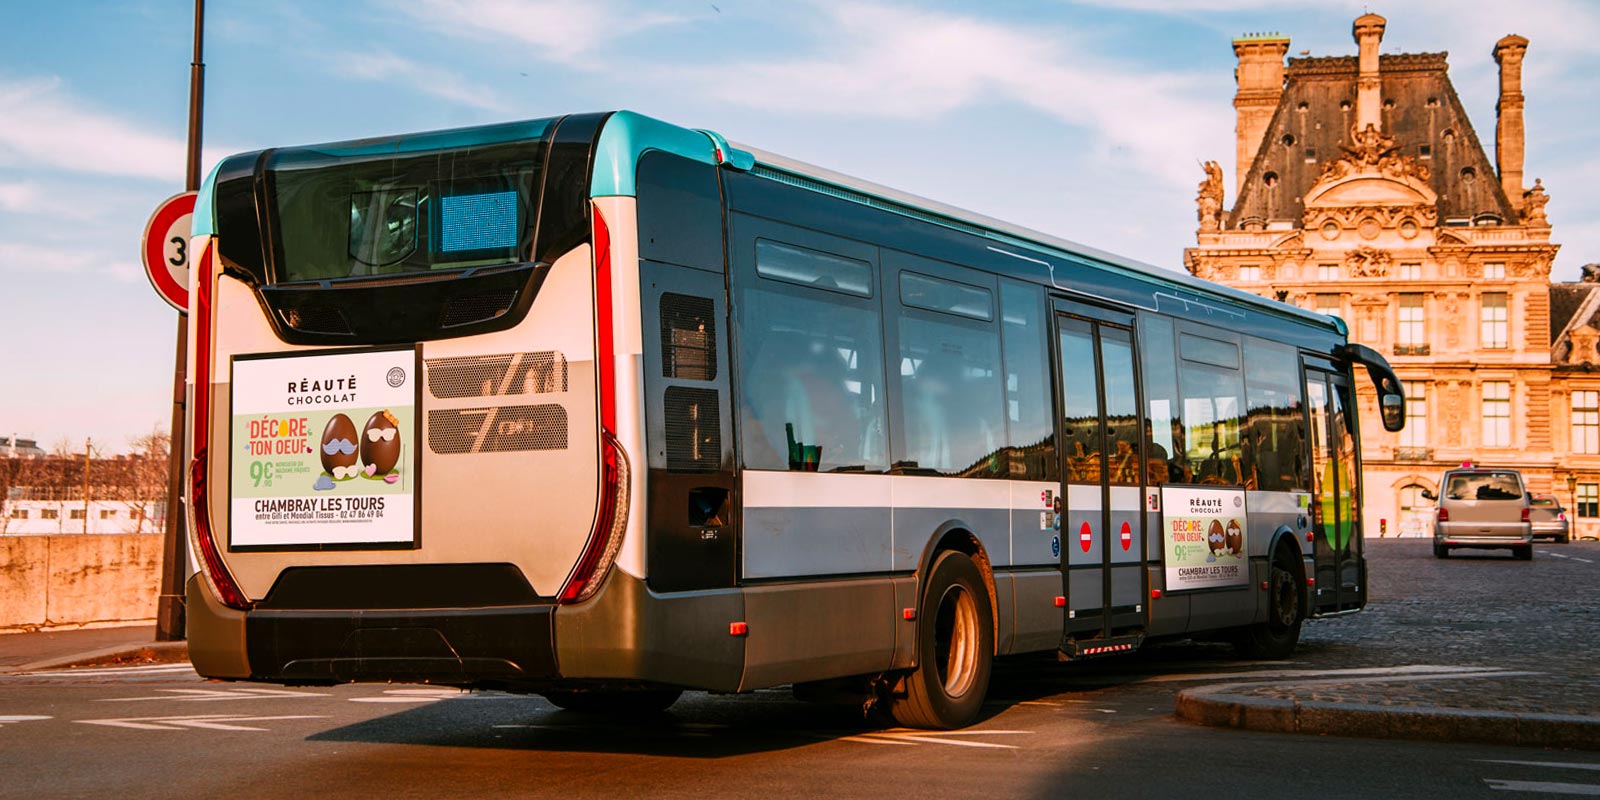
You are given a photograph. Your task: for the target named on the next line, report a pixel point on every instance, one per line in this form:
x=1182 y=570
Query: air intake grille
x=477 y=308
x=694 y=433
x=316 y=319
x=688 y=337
x=542 y=372
x=497 y=430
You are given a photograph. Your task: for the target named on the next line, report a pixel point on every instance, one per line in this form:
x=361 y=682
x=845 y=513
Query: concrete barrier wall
x=71 y=581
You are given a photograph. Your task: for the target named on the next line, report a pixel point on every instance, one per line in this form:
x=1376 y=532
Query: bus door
x=1335 y=507
x=1101 y=527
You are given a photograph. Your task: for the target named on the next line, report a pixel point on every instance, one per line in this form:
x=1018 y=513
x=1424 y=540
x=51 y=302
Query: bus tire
x=1276 y=638
x=623 y=703
x=955 y=649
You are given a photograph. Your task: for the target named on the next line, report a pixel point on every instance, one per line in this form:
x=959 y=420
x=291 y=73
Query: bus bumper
x=460 y=647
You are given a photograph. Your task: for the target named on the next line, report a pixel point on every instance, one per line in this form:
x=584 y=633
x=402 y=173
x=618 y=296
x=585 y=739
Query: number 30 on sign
x=165 y=249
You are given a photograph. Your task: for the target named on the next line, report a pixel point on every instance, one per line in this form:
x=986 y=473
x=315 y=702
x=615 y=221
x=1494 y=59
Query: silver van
x=1483 y=508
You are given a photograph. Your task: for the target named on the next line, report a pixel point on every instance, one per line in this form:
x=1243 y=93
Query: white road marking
x=874 y=740
x=1038 y=703
x=1554 y=764
x=215 y=722
x=12 y=719
x=210 y=695
x=951 y=738
x=1545 y=787
x=1408 y=669
x=94 y=672
x=410 y=696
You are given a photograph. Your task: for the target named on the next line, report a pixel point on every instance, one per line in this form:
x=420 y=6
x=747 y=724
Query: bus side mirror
x=1393 y=407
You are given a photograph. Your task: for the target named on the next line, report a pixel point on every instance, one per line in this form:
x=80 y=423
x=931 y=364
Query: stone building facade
x=1362 y=191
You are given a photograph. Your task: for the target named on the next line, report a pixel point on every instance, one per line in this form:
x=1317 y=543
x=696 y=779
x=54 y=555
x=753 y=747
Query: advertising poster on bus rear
x=1205 y=533
x=324 y=450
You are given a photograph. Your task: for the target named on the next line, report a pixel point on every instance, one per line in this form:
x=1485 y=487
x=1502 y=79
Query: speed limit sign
x=166 y=249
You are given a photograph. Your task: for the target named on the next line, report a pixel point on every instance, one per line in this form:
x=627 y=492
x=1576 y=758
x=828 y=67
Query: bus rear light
x=205 y=541
x=611 y=517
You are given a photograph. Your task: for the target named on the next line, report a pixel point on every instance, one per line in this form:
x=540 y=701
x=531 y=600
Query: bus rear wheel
x=619 y=703
x=1276 y=638
x=955 y=649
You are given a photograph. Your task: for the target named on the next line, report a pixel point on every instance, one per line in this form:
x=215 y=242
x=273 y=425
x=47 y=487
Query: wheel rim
x=955 y=641
x=1285 y=599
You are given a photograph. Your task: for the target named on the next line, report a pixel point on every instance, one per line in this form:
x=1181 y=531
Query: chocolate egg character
x=1235 y=537
x=339 y=447
x=1215 y=538
x=380 y=444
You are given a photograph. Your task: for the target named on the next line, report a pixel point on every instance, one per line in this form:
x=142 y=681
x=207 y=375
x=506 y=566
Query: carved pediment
x=1371 y=173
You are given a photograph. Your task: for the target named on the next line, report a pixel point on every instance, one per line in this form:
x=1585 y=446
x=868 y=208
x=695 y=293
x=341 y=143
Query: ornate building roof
x=1314 y=124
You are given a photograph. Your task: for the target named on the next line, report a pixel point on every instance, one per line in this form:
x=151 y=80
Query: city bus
x=606 y=409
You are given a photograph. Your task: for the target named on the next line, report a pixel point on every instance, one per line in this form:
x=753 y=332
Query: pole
x=87 y=455
x=169 y=609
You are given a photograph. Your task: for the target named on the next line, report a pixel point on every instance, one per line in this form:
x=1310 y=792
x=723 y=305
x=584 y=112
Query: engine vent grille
x=497 y=430
x=693 y=428
x=688 y=337
x=543 y=372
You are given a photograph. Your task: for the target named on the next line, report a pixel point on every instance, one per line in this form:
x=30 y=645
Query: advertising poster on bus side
x=324 y=450
x=1205 y=534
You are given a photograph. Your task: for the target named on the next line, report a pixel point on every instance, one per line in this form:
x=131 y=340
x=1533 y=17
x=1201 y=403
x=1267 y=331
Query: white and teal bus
x=606 y=409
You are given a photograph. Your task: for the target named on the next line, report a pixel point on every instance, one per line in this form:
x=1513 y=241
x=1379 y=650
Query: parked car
x=1483 y=508
x=1549 y=520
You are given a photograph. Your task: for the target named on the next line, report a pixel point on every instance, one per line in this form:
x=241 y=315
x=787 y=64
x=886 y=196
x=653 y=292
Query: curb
x=151 y=652
x=1212 y=706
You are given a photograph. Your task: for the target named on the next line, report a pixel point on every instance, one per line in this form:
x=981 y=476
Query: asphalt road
x=1103 y=729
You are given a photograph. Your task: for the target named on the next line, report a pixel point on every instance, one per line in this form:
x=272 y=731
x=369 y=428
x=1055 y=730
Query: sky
x=1084 y=119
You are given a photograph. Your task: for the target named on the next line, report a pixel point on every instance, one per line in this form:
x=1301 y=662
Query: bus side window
x=1030 y=436
x=1166 y=461
x=1276 y=410
x=950 y=379
x=811 y=364
x=1213 y=397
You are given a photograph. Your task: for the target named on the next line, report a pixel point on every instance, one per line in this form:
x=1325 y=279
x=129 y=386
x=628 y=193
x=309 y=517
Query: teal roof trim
x=627 y=135
x=205 y=217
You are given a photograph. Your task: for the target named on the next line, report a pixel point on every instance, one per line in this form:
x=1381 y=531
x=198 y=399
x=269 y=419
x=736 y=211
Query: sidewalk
x=135 y=644
x=1511 y=644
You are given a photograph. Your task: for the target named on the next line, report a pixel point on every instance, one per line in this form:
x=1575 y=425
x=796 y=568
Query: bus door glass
x=1101 y=527
x=1336 y=545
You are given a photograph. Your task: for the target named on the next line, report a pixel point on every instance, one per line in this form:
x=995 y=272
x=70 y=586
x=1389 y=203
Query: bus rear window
x=398 y=206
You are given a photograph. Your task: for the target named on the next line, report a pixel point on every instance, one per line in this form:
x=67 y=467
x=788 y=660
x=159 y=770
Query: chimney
x=1368 y=33
x=1260 y=79
x=1508 y=130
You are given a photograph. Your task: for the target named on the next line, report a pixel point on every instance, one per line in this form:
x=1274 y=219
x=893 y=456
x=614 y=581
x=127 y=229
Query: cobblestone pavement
x=1474 y=609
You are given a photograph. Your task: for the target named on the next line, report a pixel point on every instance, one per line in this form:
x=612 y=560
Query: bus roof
x=1016 y=234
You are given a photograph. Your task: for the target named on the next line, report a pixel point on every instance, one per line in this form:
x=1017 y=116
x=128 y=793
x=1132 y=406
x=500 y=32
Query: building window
x=1589 y=500
x=1413 y=323
x=1494 y=271
x=1250 y=273
x=1415 y=433
x=1326 y=303
x=1492 y=328
x=1496 y=414
x=76 y=513
x=106 y=513
x=19 y=513
x=49 y=513
x=1586 y=422
x=1411 y=272
x=1327 y=272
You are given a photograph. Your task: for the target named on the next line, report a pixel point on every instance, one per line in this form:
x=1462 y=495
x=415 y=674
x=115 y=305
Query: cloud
x=564 y=32
x=901 y=62
x=41 y=126
x=24 y=258
x=433 y=81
